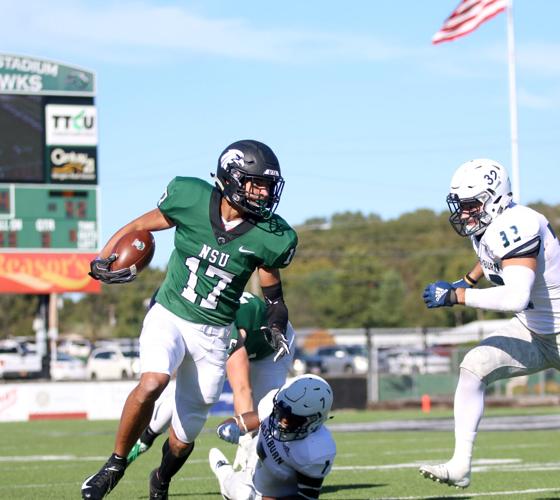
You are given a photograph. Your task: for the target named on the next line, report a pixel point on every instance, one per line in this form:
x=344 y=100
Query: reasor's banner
x=39 y=273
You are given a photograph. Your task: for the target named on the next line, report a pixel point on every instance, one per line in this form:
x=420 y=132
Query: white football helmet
x=300 y=407
x=480 y=191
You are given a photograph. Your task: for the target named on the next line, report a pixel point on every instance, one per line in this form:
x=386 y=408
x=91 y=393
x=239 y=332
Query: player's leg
x=161 y=350
x=233 y=485
x=161 y=418
x=509 y=352
x=199 y=383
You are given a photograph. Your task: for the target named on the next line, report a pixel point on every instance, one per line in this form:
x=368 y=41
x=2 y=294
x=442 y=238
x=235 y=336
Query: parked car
x=66 y=367
x=79 y=348
x=106 y=363
x=306 y=363
x=17 y=362
x=413 y=361
x=339 y=359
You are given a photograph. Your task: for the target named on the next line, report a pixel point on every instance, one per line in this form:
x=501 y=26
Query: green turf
x=368 y=465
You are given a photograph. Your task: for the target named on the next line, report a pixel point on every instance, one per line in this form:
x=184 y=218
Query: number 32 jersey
x=520 y=232
x=209 y=267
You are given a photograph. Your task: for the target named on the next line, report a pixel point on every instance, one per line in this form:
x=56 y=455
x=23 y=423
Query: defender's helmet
x=300 y=407
x=250 y=161
x=480 y=191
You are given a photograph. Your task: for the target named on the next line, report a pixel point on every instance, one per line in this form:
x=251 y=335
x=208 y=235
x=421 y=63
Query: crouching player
x=293 y=451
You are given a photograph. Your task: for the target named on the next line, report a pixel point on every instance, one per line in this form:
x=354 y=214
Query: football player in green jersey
x=253 y=368
x=223 y=233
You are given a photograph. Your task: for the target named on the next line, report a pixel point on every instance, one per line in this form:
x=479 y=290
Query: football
x=134 y=249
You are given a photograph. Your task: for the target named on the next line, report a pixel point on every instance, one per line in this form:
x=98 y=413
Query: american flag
x=468 y=16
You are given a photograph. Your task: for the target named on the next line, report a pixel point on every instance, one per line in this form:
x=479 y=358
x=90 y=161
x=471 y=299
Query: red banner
x=39 y=273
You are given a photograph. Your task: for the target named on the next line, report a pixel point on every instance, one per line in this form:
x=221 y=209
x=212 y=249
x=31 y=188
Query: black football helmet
x=250 y=161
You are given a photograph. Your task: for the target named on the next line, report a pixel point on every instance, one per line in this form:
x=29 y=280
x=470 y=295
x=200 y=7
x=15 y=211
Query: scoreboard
x=49 y=195
x=35 y=217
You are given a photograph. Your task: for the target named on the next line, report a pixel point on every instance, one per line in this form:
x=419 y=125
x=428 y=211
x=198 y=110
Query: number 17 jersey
x=209 y=266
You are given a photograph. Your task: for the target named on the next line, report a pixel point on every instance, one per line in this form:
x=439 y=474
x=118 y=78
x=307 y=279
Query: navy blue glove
x=229 y=432
x=440 y=294
x=462 y=283
x=466 y=281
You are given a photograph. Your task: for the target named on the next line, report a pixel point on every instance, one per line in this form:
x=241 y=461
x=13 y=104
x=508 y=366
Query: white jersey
x=279 y=462
x=521 y=231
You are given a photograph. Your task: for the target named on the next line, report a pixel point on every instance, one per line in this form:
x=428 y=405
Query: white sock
x=468 y=409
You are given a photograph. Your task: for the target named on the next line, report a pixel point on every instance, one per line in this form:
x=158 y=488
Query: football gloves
x=100 y=269
x=277 y=341
x=230 y=432
x=440 y=294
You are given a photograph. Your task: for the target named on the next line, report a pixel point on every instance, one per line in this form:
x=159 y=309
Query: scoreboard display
x=36 y=217
x=49 y=196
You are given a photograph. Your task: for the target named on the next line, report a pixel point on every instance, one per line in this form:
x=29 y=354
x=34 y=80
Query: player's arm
x=471 y=278
x=237 y=368
x=154 y=220
x=100 y=267
x=232 y=428
x=518 y=275
x=276 y=311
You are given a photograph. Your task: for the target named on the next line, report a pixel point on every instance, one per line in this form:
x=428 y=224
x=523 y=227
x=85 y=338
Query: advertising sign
x=30 y=75
x=46 y=273
x=70 y=125
x=72 y=164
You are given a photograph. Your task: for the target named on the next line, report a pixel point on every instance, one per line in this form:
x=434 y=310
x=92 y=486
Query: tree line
x=350 y=271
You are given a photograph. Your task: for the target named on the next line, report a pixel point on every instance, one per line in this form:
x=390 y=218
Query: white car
x=110 y=363
x=79 y=348
x=339 y=359
x=66 y=367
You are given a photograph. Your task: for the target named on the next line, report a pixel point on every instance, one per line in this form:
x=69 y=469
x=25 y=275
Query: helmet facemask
x=242 y=190
x=468 y=215
x=286 y=426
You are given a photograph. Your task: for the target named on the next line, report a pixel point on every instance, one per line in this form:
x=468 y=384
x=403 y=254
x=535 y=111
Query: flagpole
x=513 y=105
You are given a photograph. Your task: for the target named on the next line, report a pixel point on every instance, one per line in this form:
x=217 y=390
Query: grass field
x=49 y=460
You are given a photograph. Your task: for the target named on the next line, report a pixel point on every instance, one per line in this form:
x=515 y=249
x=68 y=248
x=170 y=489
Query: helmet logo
x=232 y=156
x=270 y=171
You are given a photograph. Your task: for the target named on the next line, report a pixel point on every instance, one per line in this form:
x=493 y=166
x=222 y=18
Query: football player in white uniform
x=517 y=250
x=293 y=451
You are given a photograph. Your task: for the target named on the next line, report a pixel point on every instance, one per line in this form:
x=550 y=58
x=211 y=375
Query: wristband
x=470 y=280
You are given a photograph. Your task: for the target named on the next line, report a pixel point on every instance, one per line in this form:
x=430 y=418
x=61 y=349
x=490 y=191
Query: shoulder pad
x=515 y=233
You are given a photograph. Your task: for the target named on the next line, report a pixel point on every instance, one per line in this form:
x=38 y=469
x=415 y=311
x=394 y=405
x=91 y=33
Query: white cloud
x=140 y=30
x=538 y=101
x=539 y=58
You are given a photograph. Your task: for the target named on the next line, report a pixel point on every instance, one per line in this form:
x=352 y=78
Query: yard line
x=481 y=494
x=64 y=458
x=450 y=448
x=67 y=483
x=483 y=462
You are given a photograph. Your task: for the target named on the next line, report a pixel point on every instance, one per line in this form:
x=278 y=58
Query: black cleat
x=158 y=489
x=99 y=485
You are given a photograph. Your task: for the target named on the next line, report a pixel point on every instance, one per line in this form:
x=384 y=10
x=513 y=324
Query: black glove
x=100 y=269
x=277 y=341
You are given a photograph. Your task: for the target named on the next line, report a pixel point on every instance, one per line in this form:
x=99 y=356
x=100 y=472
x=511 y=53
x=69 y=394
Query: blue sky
x=363 y=112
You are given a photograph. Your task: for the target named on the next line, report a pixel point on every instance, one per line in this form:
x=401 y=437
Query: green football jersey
x=209 y=267
x=251 y=316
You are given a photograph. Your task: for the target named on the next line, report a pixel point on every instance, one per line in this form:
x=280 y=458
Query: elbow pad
x=276 y=310
x=514 y=295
